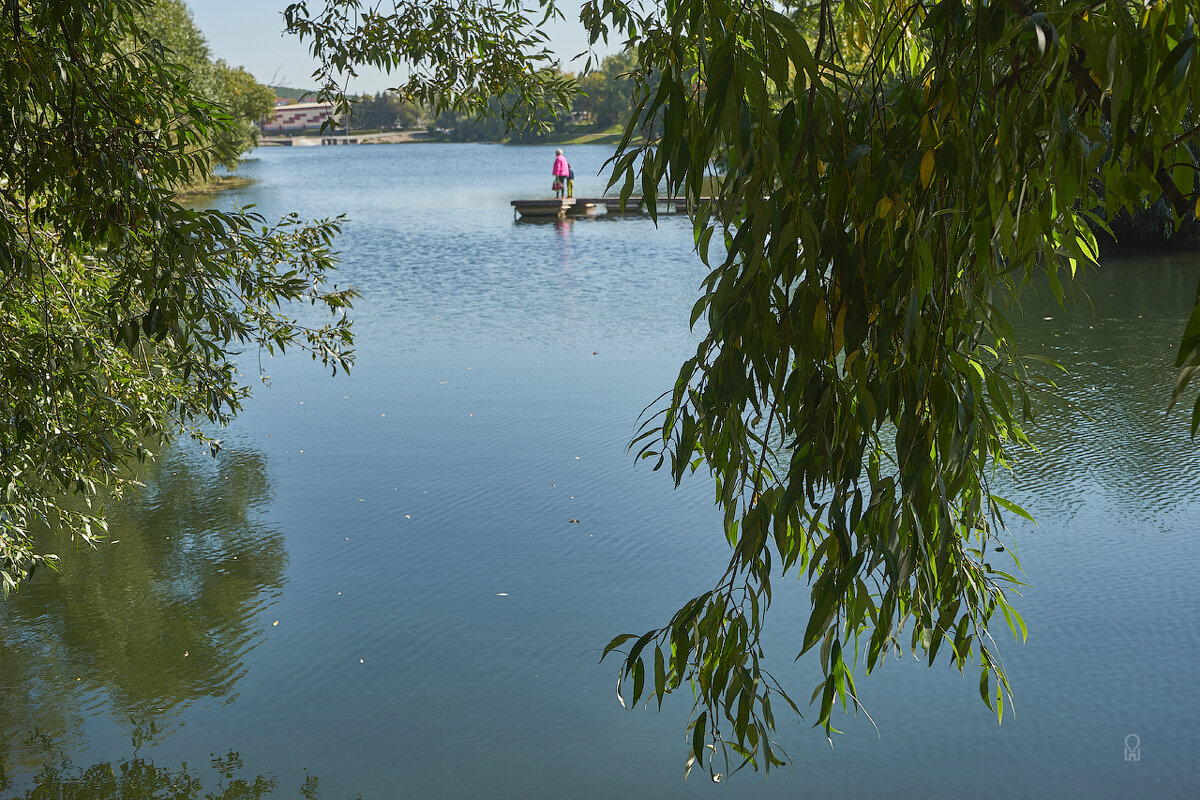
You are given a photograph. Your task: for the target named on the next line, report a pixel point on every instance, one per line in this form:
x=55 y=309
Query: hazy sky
x=249 y=33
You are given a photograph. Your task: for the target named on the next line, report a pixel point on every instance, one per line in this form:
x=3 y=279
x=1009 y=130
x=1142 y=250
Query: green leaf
x=639 y=678
x=616 y=642
x=1011 y=506
x=698 y=736
x=660 y=676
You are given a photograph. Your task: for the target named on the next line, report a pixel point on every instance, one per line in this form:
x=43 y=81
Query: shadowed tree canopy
x=894 y=172
x=122 y=313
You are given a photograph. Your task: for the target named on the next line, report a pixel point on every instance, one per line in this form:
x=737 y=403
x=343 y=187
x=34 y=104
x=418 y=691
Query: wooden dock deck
x=563 y=206
x=553 y=206
x=636 y=205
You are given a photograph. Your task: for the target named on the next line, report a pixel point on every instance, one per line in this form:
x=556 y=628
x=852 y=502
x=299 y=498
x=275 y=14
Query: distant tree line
x=607 y=94
x=387 y=112
x=606 y=99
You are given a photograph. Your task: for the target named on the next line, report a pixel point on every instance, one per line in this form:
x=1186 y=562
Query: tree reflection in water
x=160 y=616
x=136 y=778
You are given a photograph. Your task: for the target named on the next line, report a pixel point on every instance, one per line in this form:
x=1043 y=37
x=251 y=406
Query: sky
x=249 y=33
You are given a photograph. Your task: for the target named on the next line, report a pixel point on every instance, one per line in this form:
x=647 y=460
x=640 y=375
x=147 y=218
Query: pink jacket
x=560 y=166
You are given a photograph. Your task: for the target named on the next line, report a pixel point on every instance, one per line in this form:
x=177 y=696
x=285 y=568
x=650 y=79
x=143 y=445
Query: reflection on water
x=440 y=613
x=1107 y=444
x=137 y=778
x=156 y=618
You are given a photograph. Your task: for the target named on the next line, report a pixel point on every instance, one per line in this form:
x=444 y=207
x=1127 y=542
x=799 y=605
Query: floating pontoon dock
x=563 y=206
x=553 y=207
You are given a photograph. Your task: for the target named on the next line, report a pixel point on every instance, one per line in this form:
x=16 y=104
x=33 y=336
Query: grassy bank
x=214 y=185
x=589 y=134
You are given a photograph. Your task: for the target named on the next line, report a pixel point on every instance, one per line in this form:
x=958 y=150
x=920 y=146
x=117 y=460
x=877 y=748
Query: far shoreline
x=610 y=135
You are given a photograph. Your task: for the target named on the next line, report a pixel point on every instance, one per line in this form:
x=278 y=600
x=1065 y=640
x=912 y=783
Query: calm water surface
x=439 y=614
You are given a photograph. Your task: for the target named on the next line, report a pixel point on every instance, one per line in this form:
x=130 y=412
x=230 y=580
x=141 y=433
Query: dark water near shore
x=439 y=614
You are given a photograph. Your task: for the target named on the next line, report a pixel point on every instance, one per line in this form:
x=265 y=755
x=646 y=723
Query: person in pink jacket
x=561 y=171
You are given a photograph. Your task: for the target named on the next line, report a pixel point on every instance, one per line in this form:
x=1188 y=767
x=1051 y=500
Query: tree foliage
x=458 y=54
x=895 y=172
x=233 y=89
x=607 y=92
x=490 y=122
x=380 y=111
x=890 y=186
x=123 y=313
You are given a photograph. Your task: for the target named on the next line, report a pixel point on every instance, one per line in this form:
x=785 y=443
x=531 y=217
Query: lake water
x=379 y=583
